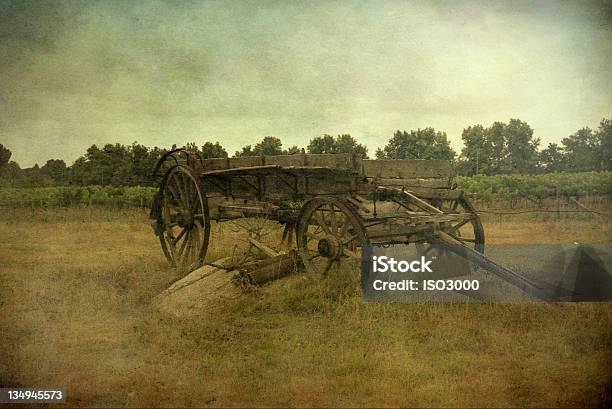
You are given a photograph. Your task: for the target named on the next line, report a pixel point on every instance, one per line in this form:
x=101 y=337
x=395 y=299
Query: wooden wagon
x=334 y=204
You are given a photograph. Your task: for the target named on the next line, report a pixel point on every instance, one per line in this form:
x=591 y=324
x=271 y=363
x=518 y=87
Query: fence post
x=558 y=202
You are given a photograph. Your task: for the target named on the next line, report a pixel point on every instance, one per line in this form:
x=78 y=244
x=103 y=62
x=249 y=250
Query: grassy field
x=75 y=292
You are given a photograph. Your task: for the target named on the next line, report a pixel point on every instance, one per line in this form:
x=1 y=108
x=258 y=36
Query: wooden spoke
x=345 y=226
x=350 y=253
x=184 y=244
x=317 y=218
x=459 y=225
x=464 y=239
x=328 y=265
x=334 y=222
x=181 y=234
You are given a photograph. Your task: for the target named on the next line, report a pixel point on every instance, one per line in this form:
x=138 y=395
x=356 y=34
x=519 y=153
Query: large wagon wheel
x=469 y=231
x=328 y=233
x=184 y=219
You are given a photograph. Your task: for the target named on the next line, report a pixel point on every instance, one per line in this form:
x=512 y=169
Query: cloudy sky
x=77 y=73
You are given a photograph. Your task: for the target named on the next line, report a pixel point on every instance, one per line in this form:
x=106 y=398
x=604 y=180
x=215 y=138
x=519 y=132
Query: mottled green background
x=77 y=73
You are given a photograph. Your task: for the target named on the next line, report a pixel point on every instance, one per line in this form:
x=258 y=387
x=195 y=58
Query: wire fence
x=559 y=209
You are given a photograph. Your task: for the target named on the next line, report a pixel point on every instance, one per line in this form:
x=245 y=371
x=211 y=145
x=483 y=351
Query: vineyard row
x=484 y=189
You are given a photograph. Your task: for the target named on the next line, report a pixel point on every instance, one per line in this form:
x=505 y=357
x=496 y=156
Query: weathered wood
x=341 y=161
x=426 y=193
x=538 y=290
x=411 y=217
x=263 y=248
x=195 y=275
x=212 y=285
x=204 y=288
x=395 y=231
x=409 y=197
x=407 y=169
x=411 y=183
x=273 y=268
x=297 y=160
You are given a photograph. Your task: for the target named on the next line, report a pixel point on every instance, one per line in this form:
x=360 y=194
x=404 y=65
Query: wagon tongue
x=538 y=289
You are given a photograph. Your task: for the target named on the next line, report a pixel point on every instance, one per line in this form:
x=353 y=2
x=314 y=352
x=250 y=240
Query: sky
x=73 y=74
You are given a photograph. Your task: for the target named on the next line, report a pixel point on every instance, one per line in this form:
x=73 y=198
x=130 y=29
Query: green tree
x=604 y=140
x=191 y=147
x=245 y=151
x=293 y=150
x=56 y=170
x=322 y=144
x=5 y=156
x=582 y=150
x=143 y=162
x=521 y=148
x=111 y=165
x=496 y=147
x=344 y=143
x=424 y=143
x=474 y=158
x=500 y=148
x=212 y=150
x=269 y=145
x=10 y=175
x=552 y=159
x=119 y=166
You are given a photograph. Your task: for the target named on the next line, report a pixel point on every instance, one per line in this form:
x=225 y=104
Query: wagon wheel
x=184 y=219
x=328 y=233
x=470 y=231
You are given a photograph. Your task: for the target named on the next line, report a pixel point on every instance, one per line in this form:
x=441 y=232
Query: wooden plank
x=345 y=161
x=297 y=160
x=263 y=248
x=540 y=290
x=414 y=219
x=409 y=183
x=215 y=163
x=409 y=197
x=243 y=171
x=407 y=168
x=427 y=193
x=246 y=162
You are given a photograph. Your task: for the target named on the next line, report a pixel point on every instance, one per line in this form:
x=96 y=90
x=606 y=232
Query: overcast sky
x=78 y=73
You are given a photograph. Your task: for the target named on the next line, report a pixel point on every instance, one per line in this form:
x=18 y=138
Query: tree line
x=501 y=148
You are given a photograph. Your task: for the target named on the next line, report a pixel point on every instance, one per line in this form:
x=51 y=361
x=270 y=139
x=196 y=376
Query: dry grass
x=75 y=288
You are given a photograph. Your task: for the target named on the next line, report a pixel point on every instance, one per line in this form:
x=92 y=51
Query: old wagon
x=334 y=204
